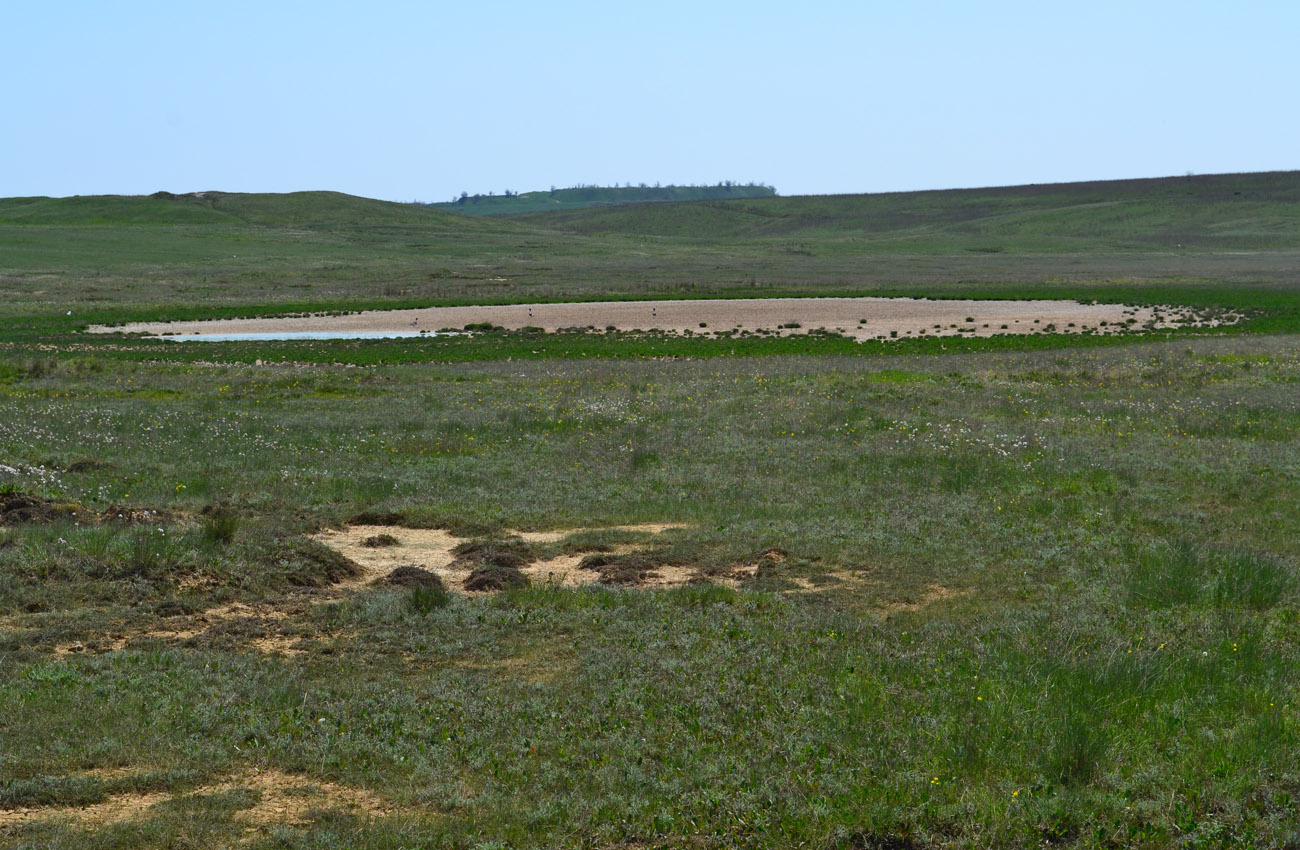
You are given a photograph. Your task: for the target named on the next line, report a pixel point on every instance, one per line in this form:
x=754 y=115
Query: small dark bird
x=530 y=312
x=416 y=322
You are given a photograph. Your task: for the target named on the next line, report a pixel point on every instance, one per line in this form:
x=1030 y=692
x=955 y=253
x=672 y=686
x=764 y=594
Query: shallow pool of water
x=287 y=335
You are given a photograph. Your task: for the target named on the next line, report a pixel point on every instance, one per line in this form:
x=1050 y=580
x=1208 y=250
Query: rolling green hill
x=167 y=254
x=319 y=210
x=586 y=197
x=1243 y=210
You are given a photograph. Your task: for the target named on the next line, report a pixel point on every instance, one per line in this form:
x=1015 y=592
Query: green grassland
x=1035 y=592
x=1215 y=238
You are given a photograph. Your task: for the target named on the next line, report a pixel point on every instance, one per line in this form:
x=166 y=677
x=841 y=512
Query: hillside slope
x=170 y=253
x=1245 y=210
x=314 y=210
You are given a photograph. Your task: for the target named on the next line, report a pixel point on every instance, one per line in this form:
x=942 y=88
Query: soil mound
x=411 y=577
x=17 y=508
x=622 y=570
x=495 y=576
x=510 y=551
x=320 y=565
x=378 y=518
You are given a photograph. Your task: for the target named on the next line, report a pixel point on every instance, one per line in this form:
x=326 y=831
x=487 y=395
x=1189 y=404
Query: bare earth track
x=858 y=318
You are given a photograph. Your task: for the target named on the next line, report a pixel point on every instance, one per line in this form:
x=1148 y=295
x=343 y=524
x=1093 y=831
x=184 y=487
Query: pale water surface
x=260 y=337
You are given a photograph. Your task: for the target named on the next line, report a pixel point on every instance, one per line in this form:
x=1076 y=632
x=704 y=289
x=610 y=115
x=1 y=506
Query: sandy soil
x=283 y=799
x=185 y=628
x=860 y=318
x=431 y=549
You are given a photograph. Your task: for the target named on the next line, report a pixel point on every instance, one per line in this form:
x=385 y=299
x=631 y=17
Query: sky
x=423 y=100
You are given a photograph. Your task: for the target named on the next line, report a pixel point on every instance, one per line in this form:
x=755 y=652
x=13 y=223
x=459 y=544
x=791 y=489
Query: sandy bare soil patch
x=933 y=593
x=187 y=627
x=282 y=799
x=432 y=550
x=859 y=318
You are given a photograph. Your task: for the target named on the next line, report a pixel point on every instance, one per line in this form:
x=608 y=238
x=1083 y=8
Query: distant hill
x=307 y=210
x=584 y=197
x=1238 y=210
x=1221 y=211
x=197 y=250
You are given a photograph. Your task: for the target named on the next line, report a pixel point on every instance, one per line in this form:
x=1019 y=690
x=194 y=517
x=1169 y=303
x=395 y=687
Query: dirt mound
x=85 y=465
x=509 y=551
x=411 y=577
x=377 y=518
x=323 y=565
x=570 y=557
x=621 y=570
x=17 y=508
x=495 y=576
x=494 y=564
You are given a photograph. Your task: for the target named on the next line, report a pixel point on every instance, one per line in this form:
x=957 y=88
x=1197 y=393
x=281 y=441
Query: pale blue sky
x=410 y=100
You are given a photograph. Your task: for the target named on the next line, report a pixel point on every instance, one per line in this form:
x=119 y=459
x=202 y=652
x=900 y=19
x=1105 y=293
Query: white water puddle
x=290 y=335
x=858 y=318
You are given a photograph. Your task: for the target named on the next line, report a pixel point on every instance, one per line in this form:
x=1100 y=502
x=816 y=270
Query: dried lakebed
x=858 y=318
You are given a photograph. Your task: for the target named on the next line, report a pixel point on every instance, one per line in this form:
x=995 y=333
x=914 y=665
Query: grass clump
x=1165 y=574
x=379 y=541
x=220 y=526
x=1252 y=579
x=1076 y=740
x=425 y=599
